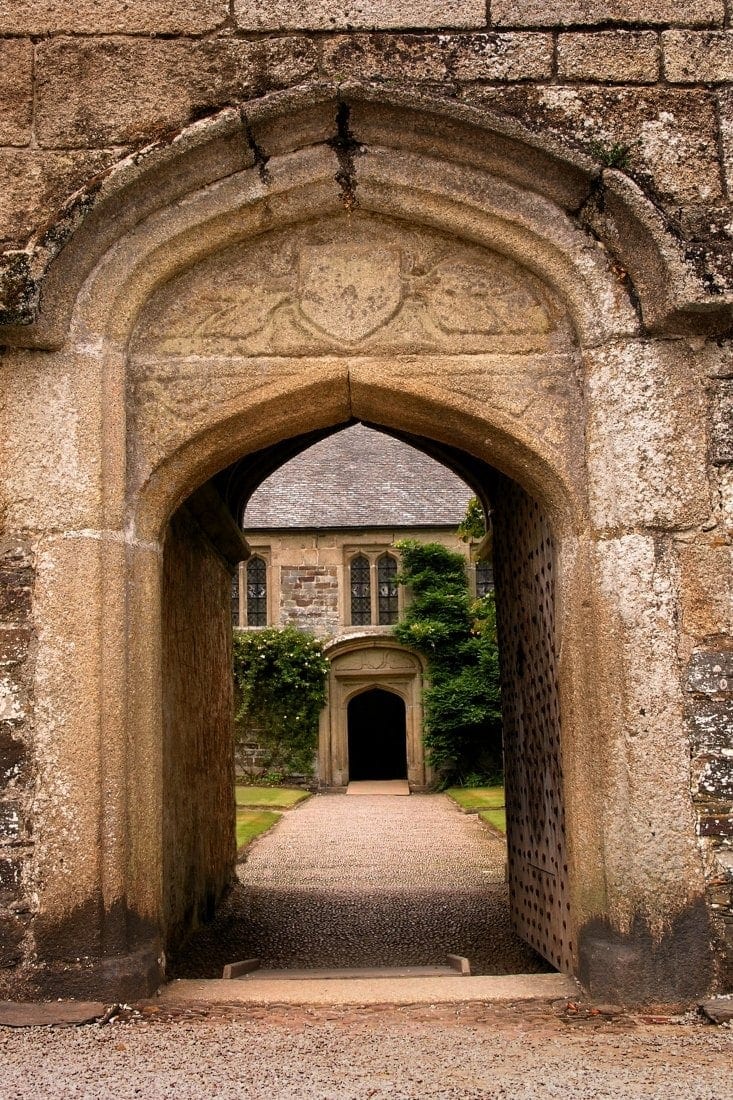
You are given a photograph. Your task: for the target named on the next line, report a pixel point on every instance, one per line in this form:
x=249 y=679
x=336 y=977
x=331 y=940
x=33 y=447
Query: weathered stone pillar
x=64 y=440
x=647 y=482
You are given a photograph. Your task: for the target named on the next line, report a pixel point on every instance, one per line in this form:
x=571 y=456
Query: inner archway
x=446 y=345
x=374 y=684
x=377 y=736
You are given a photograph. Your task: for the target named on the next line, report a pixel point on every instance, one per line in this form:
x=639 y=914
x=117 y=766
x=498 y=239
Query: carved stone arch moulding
x=39 y=284
x=370 y=299
x=458 y=283
x=447 y=285
x=358 y=665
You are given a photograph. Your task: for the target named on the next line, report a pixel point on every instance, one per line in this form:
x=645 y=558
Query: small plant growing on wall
x=280 y=688
x=457 y=635
x=473 y=525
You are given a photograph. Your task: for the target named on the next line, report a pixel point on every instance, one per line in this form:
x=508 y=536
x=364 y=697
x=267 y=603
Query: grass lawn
x=250 y=823
x=497 y=818
x=270 y=798
x=475 y=799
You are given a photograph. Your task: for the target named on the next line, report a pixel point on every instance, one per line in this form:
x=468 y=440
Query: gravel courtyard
x=367 y=881
x=363 y=881
x=455 y=1052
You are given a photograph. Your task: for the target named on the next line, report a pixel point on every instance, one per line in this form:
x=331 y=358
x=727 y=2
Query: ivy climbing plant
x=280 y=687
x=457 y=635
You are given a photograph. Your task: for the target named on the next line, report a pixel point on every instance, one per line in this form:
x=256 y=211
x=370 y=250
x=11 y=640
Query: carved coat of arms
x=349 y=292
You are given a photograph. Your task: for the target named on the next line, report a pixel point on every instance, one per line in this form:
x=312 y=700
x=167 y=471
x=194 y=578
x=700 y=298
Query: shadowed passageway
x=377 y=736
x=369 y=881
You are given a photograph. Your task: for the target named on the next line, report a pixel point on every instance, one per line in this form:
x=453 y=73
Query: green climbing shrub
x=473 y=524
x=457 y=635
x=280 y=688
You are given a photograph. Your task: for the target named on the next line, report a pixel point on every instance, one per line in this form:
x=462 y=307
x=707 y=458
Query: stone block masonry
x=309 y=598
x=16 y=91
x=540 y=13
x=698 y=57
x=324 y=15
x=710 y=721
x=40 y=17
x=16 y=669
x=614 y=57
x=79 y=91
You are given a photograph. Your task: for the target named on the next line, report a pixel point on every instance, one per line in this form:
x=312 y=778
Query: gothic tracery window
x=484 y=578
x=256 y=591
x=387 y=586
x=235 y=597
x=361 y=591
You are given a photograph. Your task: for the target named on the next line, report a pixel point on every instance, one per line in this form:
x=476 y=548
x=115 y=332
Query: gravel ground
x=457 y=1052
x=367 y=881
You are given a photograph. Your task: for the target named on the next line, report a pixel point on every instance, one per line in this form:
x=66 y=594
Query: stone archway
x=235 y=303
x=359 y=665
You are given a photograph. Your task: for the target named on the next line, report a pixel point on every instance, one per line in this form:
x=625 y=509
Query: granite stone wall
x=309 y=598
x=641 y=86
x=17 y=644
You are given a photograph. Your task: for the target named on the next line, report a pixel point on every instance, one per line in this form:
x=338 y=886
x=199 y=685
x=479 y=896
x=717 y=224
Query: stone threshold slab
x=379 y=786
x=492 y=988
x=355 y=974
x=51 y=1013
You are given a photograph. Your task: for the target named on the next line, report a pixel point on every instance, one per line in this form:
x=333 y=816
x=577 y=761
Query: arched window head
x=361 y=591
x=484 y=578
x=256 y=591
x=387 y=583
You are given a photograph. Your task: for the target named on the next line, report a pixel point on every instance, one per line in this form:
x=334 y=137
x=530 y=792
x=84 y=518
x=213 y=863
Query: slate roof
x=359 y=477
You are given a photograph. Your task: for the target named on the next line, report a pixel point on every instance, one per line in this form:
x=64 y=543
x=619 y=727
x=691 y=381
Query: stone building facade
x=322 y=532
x=500 y=230
x=329 y=519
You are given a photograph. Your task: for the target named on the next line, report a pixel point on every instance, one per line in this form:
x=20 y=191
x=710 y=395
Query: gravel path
x=465 y=1052
x=367 y=881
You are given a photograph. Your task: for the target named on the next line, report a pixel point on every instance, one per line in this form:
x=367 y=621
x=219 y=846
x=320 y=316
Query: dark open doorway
x=377 y=736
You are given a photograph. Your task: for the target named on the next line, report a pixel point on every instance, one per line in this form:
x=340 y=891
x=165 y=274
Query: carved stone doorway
x=377 y=736
x=373 y=665
x=217 y=314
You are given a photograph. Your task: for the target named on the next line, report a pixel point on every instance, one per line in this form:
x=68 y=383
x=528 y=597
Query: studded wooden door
x=525 y=583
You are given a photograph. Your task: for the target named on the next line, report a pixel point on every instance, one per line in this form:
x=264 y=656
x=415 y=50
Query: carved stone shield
x=349 y=291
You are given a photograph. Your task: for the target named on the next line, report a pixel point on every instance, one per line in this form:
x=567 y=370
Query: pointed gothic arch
x=523 y=391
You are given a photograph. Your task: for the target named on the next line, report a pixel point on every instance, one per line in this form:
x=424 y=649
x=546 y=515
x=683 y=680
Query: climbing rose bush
x=280 y=685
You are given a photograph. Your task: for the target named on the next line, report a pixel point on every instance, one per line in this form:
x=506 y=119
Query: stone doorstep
x=351 y=974
x=249 y=970
x=719 y=1010
x=399 y=787
x=491 y=989
x=51 y=1013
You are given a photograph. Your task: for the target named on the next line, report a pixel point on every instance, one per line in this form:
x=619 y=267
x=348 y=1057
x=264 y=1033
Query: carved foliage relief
x=250 y=316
